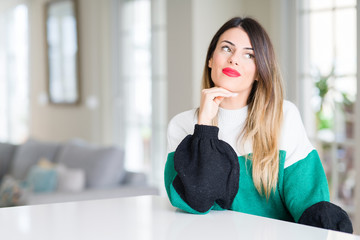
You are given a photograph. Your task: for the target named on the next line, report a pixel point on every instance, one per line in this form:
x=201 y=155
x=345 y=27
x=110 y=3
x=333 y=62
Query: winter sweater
x=207 y=169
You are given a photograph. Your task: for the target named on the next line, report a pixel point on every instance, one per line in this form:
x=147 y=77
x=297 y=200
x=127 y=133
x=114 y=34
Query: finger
x=218 y=100
x=218 y=89
x=214 y=94
x=211 y=92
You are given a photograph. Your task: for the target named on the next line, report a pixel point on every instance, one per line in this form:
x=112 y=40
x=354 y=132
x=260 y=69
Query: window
x=14 y=85
x=328 y=89
x=139 y=85
x=134 y=83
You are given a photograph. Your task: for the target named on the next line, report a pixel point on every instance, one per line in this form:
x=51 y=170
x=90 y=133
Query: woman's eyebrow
x=248 y=48
x=232 y=44
x=228 y=42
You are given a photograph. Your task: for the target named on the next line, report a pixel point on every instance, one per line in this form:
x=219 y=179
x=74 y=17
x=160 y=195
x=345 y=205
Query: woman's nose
x=233 y=61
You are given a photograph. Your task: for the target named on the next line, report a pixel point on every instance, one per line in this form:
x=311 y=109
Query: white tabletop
x=145 y=218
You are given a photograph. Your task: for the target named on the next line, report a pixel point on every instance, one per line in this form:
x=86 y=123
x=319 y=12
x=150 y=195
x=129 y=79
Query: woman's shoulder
x=291 y=117
x=290 y=109
x=179 y=127
x=184 y=118
x=183 y=123
x=294 y=140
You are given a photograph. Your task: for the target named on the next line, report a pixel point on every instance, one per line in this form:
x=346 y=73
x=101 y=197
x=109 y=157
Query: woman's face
x=232 y=63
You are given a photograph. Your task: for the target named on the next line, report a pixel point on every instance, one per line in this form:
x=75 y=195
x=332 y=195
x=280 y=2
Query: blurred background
x=114 y=72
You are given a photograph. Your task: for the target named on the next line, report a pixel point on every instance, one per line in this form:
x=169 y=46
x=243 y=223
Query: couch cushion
x=135 y=179
x=29 y=153
x=7 y=151
x=70 y=179
x=104 y=167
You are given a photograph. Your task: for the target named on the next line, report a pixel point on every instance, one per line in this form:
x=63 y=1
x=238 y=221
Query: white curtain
x=14 y=85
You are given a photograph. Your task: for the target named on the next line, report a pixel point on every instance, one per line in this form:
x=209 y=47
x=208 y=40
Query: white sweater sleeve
x=294 y=139
x=179 y=127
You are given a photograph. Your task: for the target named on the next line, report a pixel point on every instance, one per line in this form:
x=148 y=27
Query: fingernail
x=235 y=94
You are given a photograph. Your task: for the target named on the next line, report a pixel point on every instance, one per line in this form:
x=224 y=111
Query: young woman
x=245 y=147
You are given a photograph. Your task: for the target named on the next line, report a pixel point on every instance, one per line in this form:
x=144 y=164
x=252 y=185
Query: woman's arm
x=203 y=173
x=305 y=186
x=307 y=196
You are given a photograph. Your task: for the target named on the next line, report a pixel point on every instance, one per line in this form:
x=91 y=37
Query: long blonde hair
x=263 y=123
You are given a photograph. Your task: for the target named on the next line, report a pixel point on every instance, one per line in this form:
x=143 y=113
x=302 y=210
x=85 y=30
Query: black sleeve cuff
x=327 y=215
x=205 y=131
x=208 y=170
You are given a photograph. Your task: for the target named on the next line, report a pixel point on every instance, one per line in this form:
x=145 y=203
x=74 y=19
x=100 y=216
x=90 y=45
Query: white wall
x=58 y=122
x=179 y=52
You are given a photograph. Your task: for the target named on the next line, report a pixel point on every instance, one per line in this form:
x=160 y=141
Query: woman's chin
x=229 y=88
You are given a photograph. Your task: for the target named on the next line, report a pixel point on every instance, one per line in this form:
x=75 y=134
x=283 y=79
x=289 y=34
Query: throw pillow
x=7 y=151
x=12 y=192
x=29 y=153
x=42 y=177
x=103 y=166
x=70 y=179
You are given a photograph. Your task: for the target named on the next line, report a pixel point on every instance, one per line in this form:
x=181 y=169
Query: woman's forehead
x=236 y=36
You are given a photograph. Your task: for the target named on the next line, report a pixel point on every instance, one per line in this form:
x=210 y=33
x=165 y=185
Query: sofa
x=39 y=172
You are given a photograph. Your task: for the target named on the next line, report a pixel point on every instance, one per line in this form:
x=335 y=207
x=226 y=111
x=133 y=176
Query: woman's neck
x=232 y=103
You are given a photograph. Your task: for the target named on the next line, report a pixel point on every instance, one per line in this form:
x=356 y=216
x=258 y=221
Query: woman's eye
x=226 y=49
x=249 y=55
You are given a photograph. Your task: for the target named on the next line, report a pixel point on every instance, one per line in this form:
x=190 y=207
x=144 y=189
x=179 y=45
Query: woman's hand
x=209 y=104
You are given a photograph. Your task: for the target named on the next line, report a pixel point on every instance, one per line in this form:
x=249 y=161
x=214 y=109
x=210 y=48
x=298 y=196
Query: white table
x=145 y=218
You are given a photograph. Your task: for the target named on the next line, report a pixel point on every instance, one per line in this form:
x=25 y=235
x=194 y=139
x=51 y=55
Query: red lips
x=231 y=72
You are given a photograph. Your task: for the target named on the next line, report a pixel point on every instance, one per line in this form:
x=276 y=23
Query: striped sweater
x=206 y=170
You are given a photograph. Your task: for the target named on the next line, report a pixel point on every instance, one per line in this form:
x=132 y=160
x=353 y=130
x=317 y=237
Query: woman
x=245 y=147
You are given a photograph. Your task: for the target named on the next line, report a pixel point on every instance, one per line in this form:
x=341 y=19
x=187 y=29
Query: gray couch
x=39 y=172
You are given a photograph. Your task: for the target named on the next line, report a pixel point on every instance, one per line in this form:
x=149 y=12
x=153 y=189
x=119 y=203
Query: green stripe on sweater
x=305 y=184
x=300 y=186
x=248 y=199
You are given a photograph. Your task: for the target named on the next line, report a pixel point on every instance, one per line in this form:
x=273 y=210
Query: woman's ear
x=256 y=76
x=210 y=63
